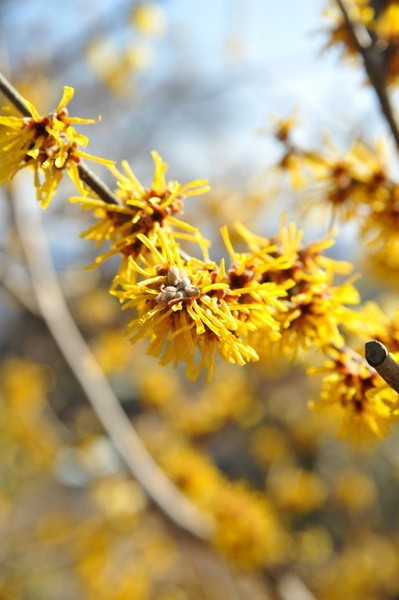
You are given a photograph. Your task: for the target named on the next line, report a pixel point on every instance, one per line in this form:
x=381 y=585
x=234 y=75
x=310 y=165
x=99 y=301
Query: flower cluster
x=141 y=211
x=274 y=298
x=186 y=306
x=314 y=308
x=47 y=144
x=351 y=186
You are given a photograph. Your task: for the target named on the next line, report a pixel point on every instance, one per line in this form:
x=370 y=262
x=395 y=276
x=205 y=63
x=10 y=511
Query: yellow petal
x=66 y=97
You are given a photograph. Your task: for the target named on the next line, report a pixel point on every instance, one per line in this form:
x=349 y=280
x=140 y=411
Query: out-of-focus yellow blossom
x=386 y=24
x=282 y=128
x=314 y=545
x=351 y=184
x=23 y=389
x=190 y=306
x=364 y=401
x=270 y=445
x=190 y=470
x=104 y=578
x=202 y=414
x=314 y=308
x=381 y=233
x=367 y=567
x=95 y=310
x=107 y=61
x=48 y=144
x=139 y=56
x=296 y=490
x=360 y=10
x=354 y=490
x=149 y=18
x=116 y=67
x=227 y=399
x=141 y=211
x=247 y=530
x=382 y=23
x=376 y=268
x=112 y=351
x=295 y=163
x=120 y=499
x=374 y=323
x=225 y=205
x=356 y=185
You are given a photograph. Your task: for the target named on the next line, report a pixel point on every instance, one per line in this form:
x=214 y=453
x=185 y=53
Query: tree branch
x=91 y=378
x=378 y=357
x=373 y=61
x=96 y=184
x=14 y=96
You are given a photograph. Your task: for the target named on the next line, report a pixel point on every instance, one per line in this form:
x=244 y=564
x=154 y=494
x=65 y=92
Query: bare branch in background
x=374 y=63
x=91 y=378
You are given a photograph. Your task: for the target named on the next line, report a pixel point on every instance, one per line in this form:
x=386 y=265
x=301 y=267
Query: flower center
x=179 y=288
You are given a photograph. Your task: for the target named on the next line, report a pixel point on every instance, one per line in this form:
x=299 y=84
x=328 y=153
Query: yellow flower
x=164 y=391
x=142 y=211
x=364 y=401
x=374 y=323
x=316 y=310
x=387 y=24
x=23 y=389
x=339 y=33
x=188 y=307
x=48 y=144
x=248 y=532
x=313 y=308
x=380 y=231
x=296 y=490
x=344 y=183
x=149 y=18
x=354 y=490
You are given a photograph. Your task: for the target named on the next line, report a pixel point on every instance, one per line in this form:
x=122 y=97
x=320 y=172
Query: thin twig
x=378 y=357
x=90 y=178
x=91 y=378
x=373 y=64
x=14 y=96
x=96 y=184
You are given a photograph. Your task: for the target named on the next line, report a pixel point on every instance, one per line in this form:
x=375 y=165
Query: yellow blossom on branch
x=47 y=144
x=351 y=184
x=381 y=21
x=375 y=323
x=141 y=211
x=188 y=307
x=381 y=234
x=314 y=308
x=364 y=401
x=338 y=31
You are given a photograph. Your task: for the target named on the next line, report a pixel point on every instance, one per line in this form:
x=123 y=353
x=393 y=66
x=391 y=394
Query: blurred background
x=301 y=513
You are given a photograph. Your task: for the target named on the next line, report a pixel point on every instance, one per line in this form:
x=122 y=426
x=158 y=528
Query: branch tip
x=375 y=353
